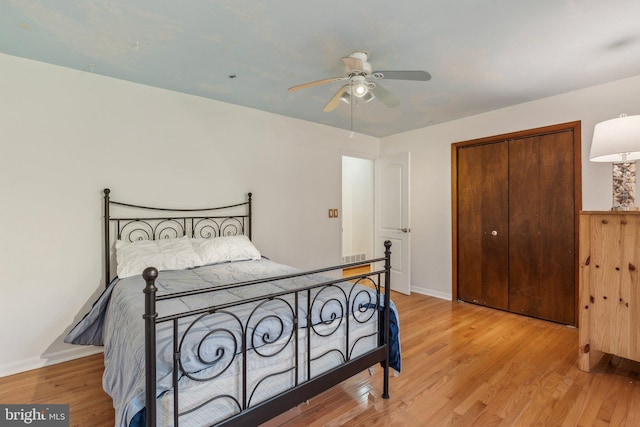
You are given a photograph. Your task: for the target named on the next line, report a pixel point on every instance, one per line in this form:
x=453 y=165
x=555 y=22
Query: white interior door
x=392 y=216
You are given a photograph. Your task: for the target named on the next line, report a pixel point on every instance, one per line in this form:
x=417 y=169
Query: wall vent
x=348 y=259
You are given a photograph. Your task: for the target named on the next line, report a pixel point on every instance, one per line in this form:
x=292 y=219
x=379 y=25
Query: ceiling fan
x=358 y=72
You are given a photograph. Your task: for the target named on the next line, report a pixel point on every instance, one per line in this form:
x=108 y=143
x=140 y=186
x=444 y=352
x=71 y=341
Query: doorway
x=367 y=222
x=357 y=209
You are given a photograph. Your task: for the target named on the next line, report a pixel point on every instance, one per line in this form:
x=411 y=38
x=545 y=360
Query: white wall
x=431 y=166
x=68 y=134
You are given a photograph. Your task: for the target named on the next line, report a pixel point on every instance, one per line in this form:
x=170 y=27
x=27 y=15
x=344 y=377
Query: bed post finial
x=149 y=275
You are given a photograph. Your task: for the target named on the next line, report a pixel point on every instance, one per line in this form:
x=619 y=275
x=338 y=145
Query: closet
x=515 y=204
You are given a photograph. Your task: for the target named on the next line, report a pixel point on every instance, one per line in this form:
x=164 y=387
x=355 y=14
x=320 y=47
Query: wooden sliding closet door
x=542 y=227
x=483 y=262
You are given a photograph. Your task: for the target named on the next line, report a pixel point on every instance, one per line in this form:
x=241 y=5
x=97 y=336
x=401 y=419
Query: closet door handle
x=494 y=233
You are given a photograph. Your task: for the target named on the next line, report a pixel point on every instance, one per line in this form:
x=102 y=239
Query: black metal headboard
x=230 y=220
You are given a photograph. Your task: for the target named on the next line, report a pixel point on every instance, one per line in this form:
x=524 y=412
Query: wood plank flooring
x=463 y=365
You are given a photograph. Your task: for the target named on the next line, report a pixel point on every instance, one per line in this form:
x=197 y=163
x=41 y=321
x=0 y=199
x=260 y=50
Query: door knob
x=494 y=233
x=404 y=230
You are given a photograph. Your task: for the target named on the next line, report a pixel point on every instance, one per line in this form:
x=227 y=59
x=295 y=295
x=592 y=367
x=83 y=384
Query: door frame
x=577 y=179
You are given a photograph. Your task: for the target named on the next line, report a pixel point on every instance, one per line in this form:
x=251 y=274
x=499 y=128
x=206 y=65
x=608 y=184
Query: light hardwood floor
x=463 y=365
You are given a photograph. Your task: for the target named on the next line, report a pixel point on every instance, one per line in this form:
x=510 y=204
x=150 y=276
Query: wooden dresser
x=609 y=289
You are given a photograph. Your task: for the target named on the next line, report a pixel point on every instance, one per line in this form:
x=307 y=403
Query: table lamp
x=618 y=141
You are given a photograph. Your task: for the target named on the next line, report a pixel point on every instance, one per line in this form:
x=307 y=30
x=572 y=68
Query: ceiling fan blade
x=385 y=96
x=404 y=75
x=316 y=83
x=335 y=99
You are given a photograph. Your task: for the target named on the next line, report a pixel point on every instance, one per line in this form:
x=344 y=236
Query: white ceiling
x=481 y=55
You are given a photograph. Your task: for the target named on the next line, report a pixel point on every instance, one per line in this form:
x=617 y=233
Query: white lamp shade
x=614 y=138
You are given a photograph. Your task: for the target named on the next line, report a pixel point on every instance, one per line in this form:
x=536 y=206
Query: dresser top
x=609 y=212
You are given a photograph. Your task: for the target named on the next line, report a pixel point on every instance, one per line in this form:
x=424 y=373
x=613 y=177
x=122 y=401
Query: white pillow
x=164 y=254
x=225 y=249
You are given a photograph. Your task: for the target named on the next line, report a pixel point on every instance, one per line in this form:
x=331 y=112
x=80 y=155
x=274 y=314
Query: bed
x=214 y=333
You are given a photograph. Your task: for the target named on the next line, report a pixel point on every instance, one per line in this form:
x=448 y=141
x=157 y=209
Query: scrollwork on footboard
x=258 y=348
x=330 y=312
x=227 y=344
x=200 y=338
x=264 y=334
x=344 y=305
x=366 y=302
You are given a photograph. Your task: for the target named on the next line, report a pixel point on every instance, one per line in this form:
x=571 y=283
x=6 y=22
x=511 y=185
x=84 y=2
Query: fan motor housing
x=365 y=71
x=360 y=67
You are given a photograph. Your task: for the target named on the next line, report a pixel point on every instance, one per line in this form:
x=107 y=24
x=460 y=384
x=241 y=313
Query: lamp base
x=624 y=186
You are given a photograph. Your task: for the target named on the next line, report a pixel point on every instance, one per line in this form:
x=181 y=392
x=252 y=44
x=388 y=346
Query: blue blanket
x=395 y=356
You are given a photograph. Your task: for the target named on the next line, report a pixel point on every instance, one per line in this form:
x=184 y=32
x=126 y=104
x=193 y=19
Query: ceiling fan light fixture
x=345 y=97
x=360 y=90
x=359 y=86
x=369 y=96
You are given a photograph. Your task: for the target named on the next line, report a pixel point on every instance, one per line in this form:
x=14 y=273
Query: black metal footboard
x=284 y=334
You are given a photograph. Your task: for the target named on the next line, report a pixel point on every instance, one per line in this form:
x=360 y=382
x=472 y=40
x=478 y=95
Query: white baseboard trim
x=431 y=293
x=50 y=359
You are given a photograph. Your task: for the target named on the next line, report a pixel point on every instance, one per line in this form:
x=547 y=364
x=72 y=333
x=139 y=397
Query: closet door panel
x=482 y=225
x=541 y=224
x=524 y=226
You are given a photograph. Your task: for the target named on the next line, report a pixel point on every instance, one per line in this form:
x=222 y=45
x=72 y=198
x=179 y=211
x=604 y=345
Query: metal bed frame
x=214 y=222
